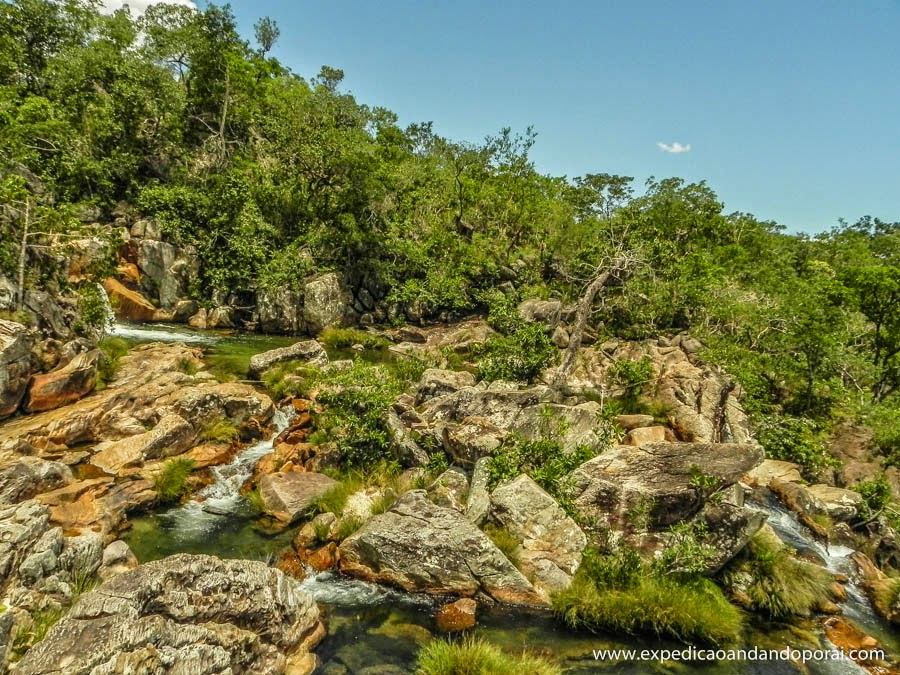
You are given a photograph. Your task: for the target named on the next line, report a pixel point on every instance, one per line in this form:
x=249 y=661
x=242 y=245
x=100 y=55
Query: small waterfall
x=222 y=499
x=109 y=321
x=338 y=591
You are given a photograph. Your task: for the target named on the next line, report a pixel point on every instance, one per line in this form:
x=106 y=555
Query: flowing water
x=376 y=630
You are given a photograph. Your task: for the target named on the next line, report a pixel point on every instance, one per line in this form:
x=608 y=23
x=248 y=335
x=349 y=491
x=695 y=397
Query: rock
x=879 y=588
x=210 y=454
x=729 y=529
x=450 y=490
x=82 y=555
x=478 y=503
x=183 y=614
x=421 y=547
x=127 y=304
x=629 y=422
x=850 y=639
x=21 y=526
x=199 y=320
x=30 y=476
x=658 y=478
x=287 y=496
x=436 y=382
x=771 y=469
x=184 y=310
x=220 y=317
x=560 y=337
x=8 y=293
x=280 y=310
x=15 y=365
x=412 y=334
x=64 y=385
x=456 y=616
x=117 y=553
x=546 y=312
x=471 y=439
x=641 y=435
x=324 y=303
x=550 y=543
x=53 y=314
x=146 y=229
x=310 y=351
x=167 y=270
x=404 y=447
x=836 y=503
x=171 y=436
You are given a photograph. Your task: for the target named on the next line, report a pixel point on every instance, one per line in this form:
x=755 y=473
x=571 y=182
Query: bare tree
x=615 y=267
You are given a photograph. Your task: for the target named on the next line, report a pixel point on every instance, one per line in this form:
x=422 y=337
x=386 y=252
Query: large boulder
x=64 y=385
x=436 y=382
x=127 y=304
x=167 y=271
x=324 y=303
x=810 y=500
x=171 y=435
x=53 y=314
x=421 y=547
x=550 y=542
x=280 y=310
x=8 y=293
x=665 y=481
x=15 y=365
x=288 y=495
x=184 y=614
x=310 y=351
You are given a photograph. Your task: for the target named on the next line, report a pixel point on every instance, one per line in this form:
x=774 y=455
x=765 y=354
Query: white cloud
x=676 y=148
x=138 y=7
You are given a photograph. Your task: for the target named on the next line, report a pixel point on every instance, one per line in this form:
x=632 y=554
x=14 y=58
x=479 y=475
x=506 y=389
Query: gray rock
x=310 y=351
x=82 y=555
x=49 y=315
x=287 y=496
x=31 y=476
x=183 y=614
x=421 y=547
x=450 y=490
x=184 y=310
x=403 y=445
x=542 y=311
x=324 y=303
x=8 y=293
x=560 y=337
x=471 y=439
x=280 y=310
x=809 y=500
x=15 y=365
x=550 y=542
x=220 y=317
x=657 y=478
x=21 y=526
x=117 y=552
x=437 y=382
x=167 y=271
x=478 y=503
x=728 y=529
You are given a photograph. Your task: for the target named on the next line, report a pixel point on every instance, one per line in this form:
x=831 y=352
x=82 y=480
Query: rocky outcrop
x=15 y=365
x=280 y=310
x=811 y=500
x=436 y=382
x=172 y=435
x=661 y=481
x=166 y=270
x=882 y=591
x=310 y=351
x=324 y=303
x=185 y=613
x=64 y=385
x=550 y=542
x=22 y=526
x=127 y=304
x=727 y=530
x=421 y=547
x=30 y=476
x=288 y=495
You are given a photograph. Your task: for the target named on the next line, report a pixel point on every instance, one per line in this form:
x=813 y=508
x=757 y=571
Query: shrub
x=473 y=656
x=519 y=356
x=885 y=422
x=544 y=460
x=171 y=484
x=255 y=500
x=219 y=430
x=794 y=439
x=621 y=593
x=633 y=378
x=335 y=499
x=876 y=494
x=347 y=526
x=781 y=587
x=112 y=350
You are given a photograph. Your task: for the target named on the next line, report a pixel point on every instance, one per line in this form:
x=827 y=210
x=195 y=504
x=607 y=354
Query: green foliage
x=622 y=594
x=505 y=541
x=219 y=430
x=34 y=629
x=171 y=483
x=685 y=556
x=112 y=350
x=876 y=494
x=347 y=526
x=255 y=500
x=544 y=460
x=794 y=439
x=780 y=587
x=885 y=422
x=632 y=376
x=474 y=656
x=343 y=338
x=522 y=355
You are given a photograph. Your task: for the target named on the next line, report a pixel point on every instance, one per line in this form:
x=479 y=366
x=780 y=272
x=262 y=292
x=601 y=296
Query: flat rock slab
x=65 y=385
x=421 y=547
x=286 y=496
x=306 y=350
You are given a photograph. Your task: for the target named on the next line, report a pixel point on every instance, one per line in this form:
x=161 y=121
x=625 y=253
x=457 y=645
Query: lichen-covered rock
x=310 y=351
x=450 y=490
x=64 y=385
x=324 y=303
x=280 y=310
x=171 y=435
x=21 y=526
x=657 y=478
x=436 y=382
x=30 y=476
x=15 y=365
x=421 y=547
x=809 y=500
x=183 y=614
x=288 y=495
x=550 y=542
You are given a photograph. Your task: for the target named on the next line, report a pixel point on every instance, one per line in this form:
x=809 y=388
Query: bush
x=171 y=484
x=876 y=494
x=112 y=350
x=781 y=587
x=219 y=430
x=34 y=629
x=519 y=356
x=632 y=378
x=622 y=594
x=794 y=439
x=473 y=656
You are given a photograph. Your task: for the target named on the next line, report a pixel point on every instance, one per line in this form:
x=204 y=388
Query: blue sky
x=791 y=108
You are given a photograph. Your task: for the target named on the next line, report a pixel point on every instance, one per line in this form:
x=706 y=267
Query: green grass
x=474 y=656
x=34 y=630
x=335 y=499
x=505 y=541
x=622 y=594
x=188 y=366
x=342 y=338
x=782 y=587
x=347 y=526
x=219 y=430
x=255 y=500
x=112 y=350
x=322 y=532
x=171 y=484
x=82 y=581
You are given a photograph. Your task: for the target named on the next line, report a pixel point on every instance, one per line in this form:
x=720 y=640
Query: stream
x=374 y=630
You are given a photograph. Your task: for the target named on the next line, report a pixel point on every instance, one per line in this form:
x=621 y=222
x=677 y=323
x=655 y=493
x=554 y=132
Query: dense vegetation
x=273 y=177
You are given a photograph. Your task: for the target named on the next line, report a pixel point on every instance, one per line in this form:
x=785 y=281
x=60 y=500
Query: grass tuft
x=171 y=484
x=343 y=338
x=505 y=541
x=219 y=430
x=474 y=656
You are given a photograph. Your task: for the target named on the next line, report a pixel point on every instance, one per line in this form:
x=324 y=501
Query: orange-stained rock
x=211 y=454
x=843 y=634
x=456 y=616
x=65 y=385
x=301 y=404
x=130 y=272
x=323 y=558
x=128 y=304
x=643 y=435
x=291 y=564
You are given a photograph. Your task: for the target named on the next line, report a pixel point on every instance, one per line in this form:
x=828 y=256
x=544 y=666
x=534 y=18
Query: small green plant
x=171 y=484
x=704 y=483
x=505 y=541
x=685 y=556
x=384 y=501
x=219 y=430
x=544 y=460
x=188 y=366
x=34 y=629
x=255 y=500
x=112 y=349
x=519 y=356
x=343 y=338
x=335 y=499
x=81 y=581
x=347 y=526
x=632 y=377
x=474 y=656
x=876 y=494
x=638 y=514
x=322 y=532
